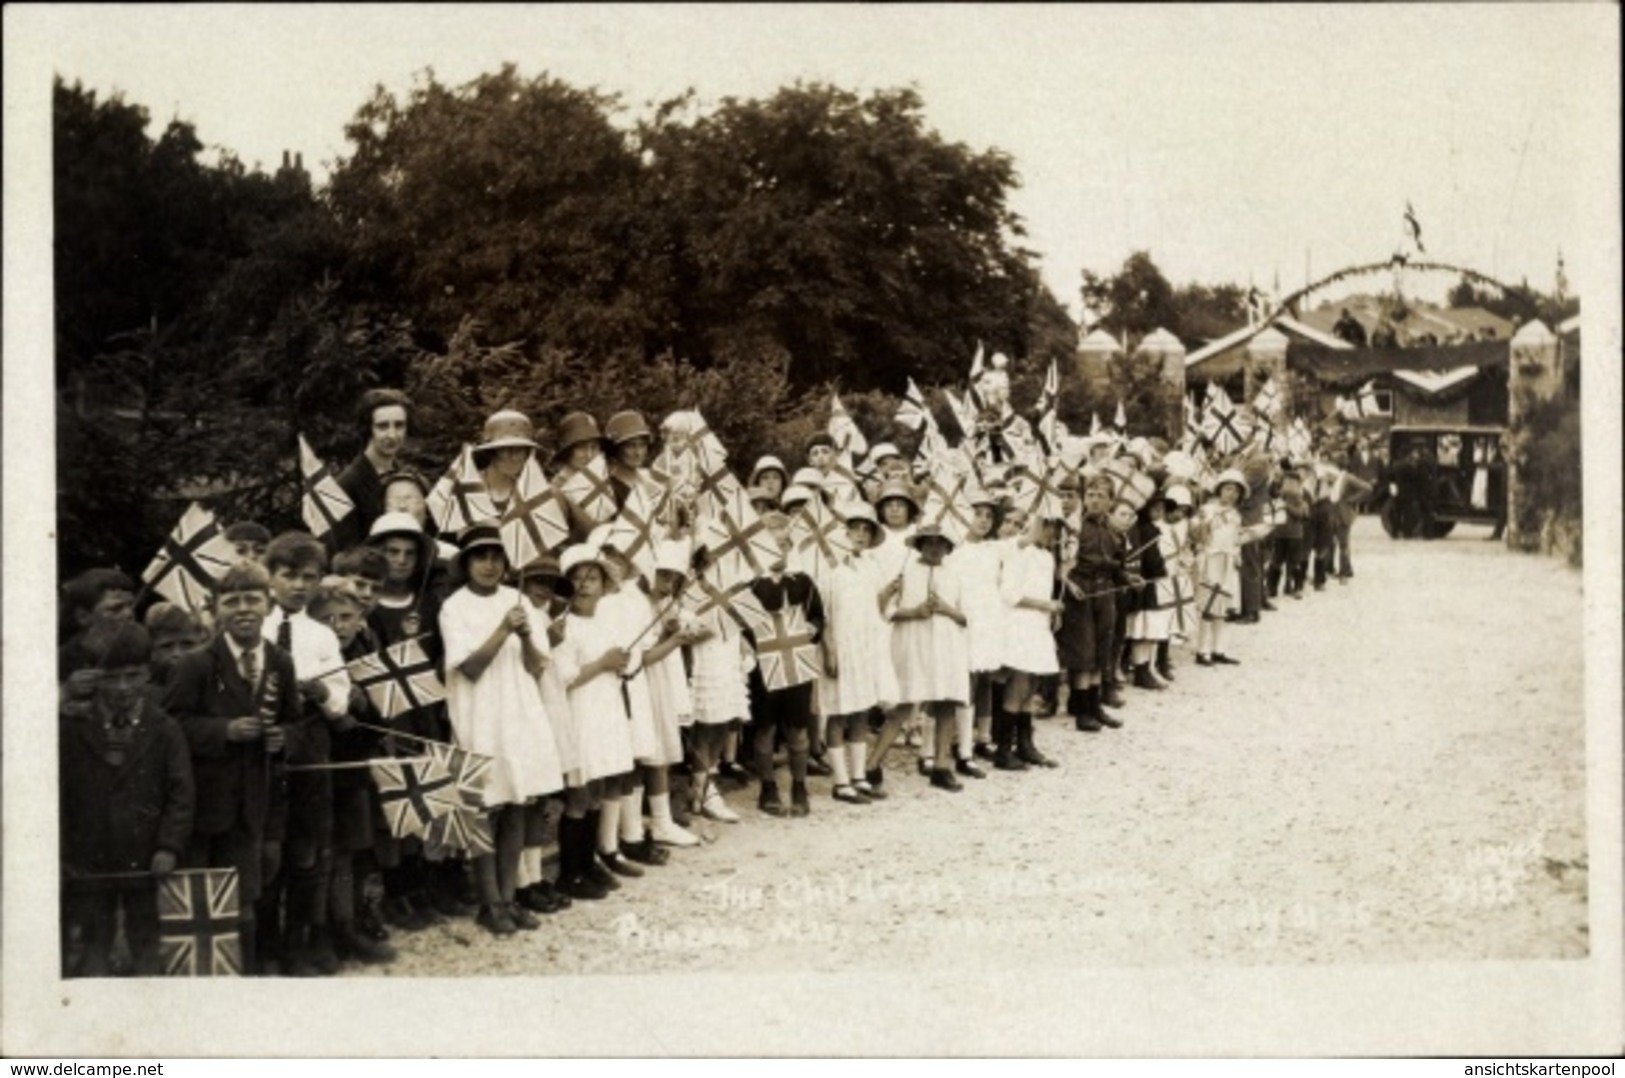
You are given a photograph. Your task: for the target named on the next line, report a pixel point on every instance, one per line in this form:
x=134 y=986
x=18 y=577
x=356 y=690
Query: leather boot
x=799 y=803
x=1025 y=749
x=1111 y=694
x=769 y=801
x=1144 y=680
x=1088 y=706
x=1004 y=735
x=1097 y=712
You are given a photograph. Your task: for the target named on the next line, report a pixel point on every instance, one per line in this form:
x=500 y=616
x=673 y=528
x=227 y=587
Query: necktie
x=284 y=635
x=251 y=668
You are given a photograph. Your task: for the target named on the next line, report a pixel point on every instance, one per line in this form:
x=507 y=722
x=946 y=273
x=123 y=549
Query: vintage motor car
x=1440 y=476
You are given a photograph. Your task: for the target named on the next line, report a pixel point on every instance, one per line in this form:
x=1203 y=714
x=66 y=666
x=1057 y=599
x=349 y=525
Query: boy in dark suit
x=238 y=703
x=126 y=784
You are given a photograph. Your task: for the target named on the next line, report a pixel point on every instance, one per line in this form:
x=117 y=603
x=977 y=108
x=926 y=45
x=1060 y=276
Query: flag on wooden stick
x=466 y=828
x=325 y=503
x=198 y=926
x=786 y=652
x=912 y=412
x=194 y=557
x=414 y=792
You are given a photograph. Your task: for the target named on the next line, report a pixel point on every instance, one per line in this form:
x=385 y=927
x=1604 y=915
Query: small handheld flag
x=325 y=503
x=198 y=927
x=398 y=679
x=413 y=793
x=536 y=520
x=844 y=430
x=459 y=499
x=912 y=412
x=194 y=557
x=786 y=651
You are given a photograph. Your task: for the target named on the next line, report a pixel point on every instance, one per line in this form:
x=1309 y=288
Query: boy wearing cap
x=384 y=416
x=238 y=703
x=249 y=539
x=126 y=807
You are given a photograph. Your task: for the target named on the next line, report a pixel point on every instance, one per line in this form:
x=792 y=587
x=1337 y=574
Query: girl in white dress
x=859 y=675
x=592 y=658
x=494 y=653
x=1218 y=537
x=978 y=562
x=929 y=645
x=1027 y=587
x=720 y=696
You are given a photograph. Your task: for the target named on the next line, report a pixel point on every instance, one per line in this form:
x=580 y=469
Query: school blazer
x=206 y=691
x=115 y=818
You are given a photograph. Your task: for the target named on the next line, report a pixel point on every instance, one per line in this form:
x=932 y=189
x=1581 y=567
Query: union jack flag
x=465 y=828
x=715 y=490
x=819 y=537
x=536 y=520
x=398 y=679
x=588 y=490
x=964 y=413
x=459 y=499
x=946 y=507
x=197 y=924
x=1225 y=428
x=786 y=652
x=1268 y=400
x=913 y=413
x=740 y=545
x=325 y=503
x=842 y=428
x=635 y=529
x=706 y=603
x=1172 y=594
x=194 y=557
x=414 y=792
x=689 y=443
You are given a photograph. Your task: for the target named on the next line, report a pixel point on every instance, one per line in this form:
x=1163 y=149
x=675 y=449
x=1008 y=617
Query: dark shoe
x=369 y=924
x=1221 y=659
x=424 y=904
x=943 y=779
x=1144 y=680
x=983 y=750
x=1110 y=695
x=818 y=765
x=1005 y=759
x=620 y=866
x=732 y=771
x=522 y=918
x=584 y=888
x=924 y=765
x=350 y=942
x=1105 y=718
x=405 y=915
x=849 y=794
x=645 y=852
x=1267 y=605
x=871 y=787
x=495 y=920
x=553 y=896
x=799 y=805
x=1086 y=724
x=602 y=876
x=769 y=801
x=447 y=904
x=1166 y=673
x=1204 y=660
x=969 y=769
x=1297 y=594
x=538 y=898
x=1025 y=749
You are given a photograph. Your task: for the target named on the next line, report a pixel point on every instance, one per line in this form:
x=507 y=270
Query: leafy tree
x=1133 y=301
x=508 y=200
x=837 y=228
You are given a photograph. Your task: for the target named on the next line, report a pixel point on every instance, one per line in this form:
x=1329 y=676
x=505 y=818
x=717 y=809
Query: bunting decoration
x=459 y=499
x=198 y=926
x=192 y=560
x=786 y=651
x=1413 y=228
x=844 y=430
x=414 y=792
x=324 y=503
x=536 y=520
x=398 y=679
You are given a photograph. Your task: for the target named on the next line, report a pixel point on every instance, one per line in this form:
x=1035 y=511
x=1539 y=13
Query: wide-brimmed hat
x=856 y=509
x=478 y=537
x=976 y=494
x=544 y=564
x=898 y=488
x=507 y=429
x=409 y=475
x=1178 y=494
x=768 y=464
x=575 y=428
x=625 y=426
x=574 y=557
x=929 y=531
x=1230 y=475
x=673 y=556
x=795 y=494
x=406 y=524
x=807 y=477
x=754 y=494
x=881 y=452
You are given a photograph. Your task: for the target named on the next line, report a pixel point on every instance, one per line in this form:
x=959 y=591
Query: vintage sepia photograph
x=818 y=531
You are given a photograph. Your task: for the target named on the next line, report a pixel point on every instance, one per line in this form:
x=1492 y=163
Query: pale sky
x=1232 y=143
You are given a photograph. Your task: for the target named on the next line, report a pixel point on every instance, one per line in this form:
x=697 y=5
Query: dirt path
x=1395 y=773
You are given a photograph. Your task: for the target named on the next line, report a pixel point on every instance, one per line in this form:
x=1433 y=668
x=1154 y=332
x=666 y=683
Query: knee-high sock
x=837 y=752
x=964 y=731
x=857 y=757
x=530 y=867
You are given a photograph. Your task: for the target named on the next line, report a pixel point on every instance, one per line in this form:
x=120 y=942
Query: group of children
x=234 y=738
